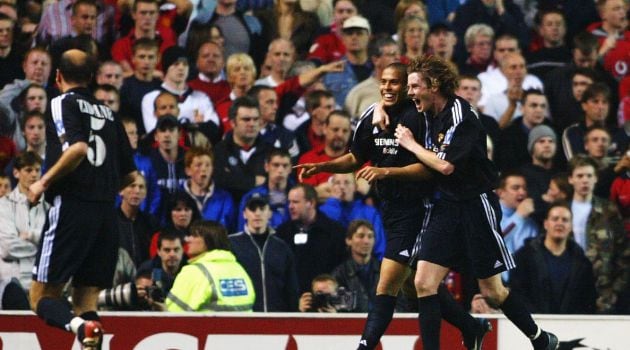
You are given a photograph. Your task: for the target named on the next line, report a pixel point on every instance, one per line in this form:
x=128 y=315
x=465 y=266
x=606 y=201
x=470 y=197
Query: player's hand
x=305 y=302
x=380 y=117
x=404 y=137
x=372 y=173
x=525 y=208
x=35 y=191
x=307 y=170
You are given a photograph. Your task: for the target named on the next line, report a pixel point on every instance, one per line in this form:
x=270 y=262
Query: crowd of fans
x=220 y=98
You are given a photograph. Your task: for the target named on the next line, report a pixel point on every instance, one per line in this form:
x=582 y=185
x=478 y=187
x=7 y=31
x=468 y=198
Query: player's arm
x=345 y=164
x=69 y=160
x=428 y=158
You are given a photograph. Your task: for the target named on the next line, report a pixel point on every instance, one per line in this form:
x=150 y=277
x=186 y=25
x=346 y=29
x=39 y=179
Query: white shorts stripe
x=49 y=238
x=492 y=220
x=428 y=207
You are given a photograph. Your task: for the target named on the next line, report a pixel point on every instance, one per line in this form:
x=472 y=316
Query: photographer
x=326 y=296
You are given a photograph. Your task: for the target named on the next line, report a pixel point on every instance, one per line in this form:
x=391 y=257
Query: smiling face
x=391 y=87
x=362 y=242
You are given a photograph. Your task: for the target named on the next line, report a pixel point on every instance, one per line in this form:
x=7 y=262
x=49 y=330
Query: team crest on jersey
x=440 y=138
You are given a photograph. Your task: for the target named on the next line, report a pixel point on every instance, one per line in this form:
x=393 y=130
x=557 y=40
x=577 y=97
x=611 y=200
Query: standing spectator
x=144 y=58
x=276 y=189
x=145 y=14
x=32 y=99
x=517 y=207
x=281 y=55
x=110 y=72
x=56 y=22
x=336 y=139
x=21 y=223
x=316 y=240
x=551 y=27
x=412 y=36
x=211 y=78
x=469 y=88
x=109 y=96
x=355 y=35
x=344 y=207
x=359 y=273
x=309 y=128
x=135 y=227
x=613 y=36
x=441 y=42
x=213 y=280
x=194 y=106
x=478 y=40
x=214 y=203
x=554 y=276
x=267 y=259
x=382 y=52
x=598 y=229
x=240 y=157
x=329 y=47
x=34 y=130
x=10 y=55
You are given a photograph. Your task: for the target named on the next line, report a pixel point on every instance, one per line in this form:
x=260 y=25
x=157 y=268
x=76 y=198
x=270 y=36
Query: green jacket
x=213 y=281
x=608 y=249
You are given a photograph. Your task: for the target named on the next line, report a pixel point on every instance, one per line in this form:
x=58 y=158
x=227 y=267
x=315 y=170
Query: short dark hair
x=77 y=68
x=130 y=178
x=255 y=91
x=339 y=113
x=595 y=90
x=30 y=115
x=531 y=92
x=587 y=72
x=585 y=42
x=507 y=174
x=145 y=44
x=277 y=152
x=214 y=234
x=4 y=17
x=135 y=4
x=580 y=160
x=540 y=15
x=375 y=47
x=558 y=204
x=593 y=128
x=163 y=93
x=169 y=234
x=75 y=6
x=107 y=88
x=313 y=98
x=244 y=102
x=28 y=158
x=355 y=225
x=401 y=68
x=309 y=191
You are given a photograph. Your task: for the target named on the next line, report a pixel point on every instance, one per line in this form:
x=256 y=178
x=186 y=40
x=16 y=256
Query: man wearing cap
x=267 y=259
x=194 y=106
x=355 y=36
x=512 y=152
x=441 y=41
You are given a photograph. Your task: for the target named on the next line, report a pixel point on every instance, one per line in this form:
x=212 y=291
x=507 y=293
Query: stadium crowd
x=221 y=98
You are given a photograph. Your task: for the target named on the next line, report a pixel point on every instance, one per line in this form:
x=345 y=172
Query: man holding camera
x=323 y=296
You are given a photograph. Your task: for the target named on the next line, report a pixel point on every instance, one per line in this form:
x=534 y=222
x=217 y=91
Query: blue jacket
x=341 y=83
x=151 y=204
x=344 y=213
x=217 y=206
x=280 y=213
x=272 y=270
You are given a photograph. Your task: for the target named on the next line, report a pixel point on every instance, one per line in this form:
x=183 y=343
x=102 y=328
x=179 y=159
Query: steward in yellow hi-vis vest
x=212 y=280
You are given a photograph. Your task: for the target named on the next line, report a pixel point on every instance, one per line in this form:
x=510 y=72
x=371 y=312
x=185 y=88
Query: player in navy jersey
x=464 y=225
x=87 y=153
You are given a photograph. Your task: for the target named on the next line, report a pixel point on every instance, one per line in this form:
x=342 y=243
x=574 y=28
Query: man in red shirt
x=211 y=79
x=329 y=47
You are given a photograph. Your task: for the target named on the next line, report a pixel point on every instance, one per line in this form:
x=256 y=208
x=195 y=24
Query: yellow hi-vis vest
x=213 y=281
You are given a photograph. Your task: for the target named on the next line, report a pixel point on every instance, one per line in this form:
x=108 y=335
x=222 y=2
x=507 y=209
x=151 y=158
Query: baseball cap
x=357 y=22
x=440 y=27
x=257 y=201
x=167 y=121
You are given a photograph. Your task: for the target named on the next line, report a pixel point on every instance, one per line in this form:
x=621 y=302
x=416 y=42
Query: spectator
x=181 y=212
x=266 y=258
x=359 y=273
x=595 y=104
x=164 y=267
x=344 y=207
x=316 y=240
x=34 y=131
x=214 y=203
x=144 y=59
x=21 y=222
x=409 y=8
x=240 y=156
x=598 y=229
x=194 y=106
x=597 y=142
x=10 y=54
x=135 y=227
x=5 y=185
x=145 y=14
x=355 y=35
x=8 y=150
x=309 y=127
x=441 y=42
x=330 y=47
x=620 y=190
x=241 y=73
x=613 y=36
x=478 y=40
x=382 y=52
x=32 y=99
x=412 y=36
x=559 y=189
x=513 y=149
x=276 y=188
x=554 y=276
x=196 y=286
x=109 y=96
x=469 y=88
x=281 y=55
x=323 y=287
x=110 y=72
x=211 y=78
x=336 y=140
x=551 y=27
x=581 y=79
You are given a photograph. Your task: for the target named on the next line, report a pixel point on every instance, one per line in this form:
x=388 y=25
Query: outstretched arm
x=344 y=164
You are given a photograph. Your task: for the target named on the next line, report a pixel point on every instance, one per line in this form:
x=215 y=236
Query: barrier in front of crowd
x=286 y=331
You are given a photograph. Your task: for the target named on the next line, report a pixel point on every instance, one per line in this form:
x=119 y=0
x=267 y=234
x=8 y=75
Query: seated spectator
x=316 y=241
x=194 y=106
x=241 y=73
x=598 y=229
x=613 y=36
x=317 y=298
x=21 y=222
x=336 y=139
x=135 y=227
x=34 y=132
x=597 y=142
x=344 y=207
x=211 y=79
x=276 y=189
x=110 y=72
x=359 y=274
x=560 y=190
x=553 y=275
x=516 y=207
x=412 y=37
x=214 y=203
x=213 y=280
x=32 y=99
x=181 y=212
x=267 y=259
x=620 y=190
x=441 y=42
x=551 y=26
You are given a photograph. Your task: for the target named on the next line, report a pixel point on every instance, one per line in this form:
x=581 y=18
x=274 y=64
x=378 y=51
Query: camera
x=344 y=300
x=125 y=297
